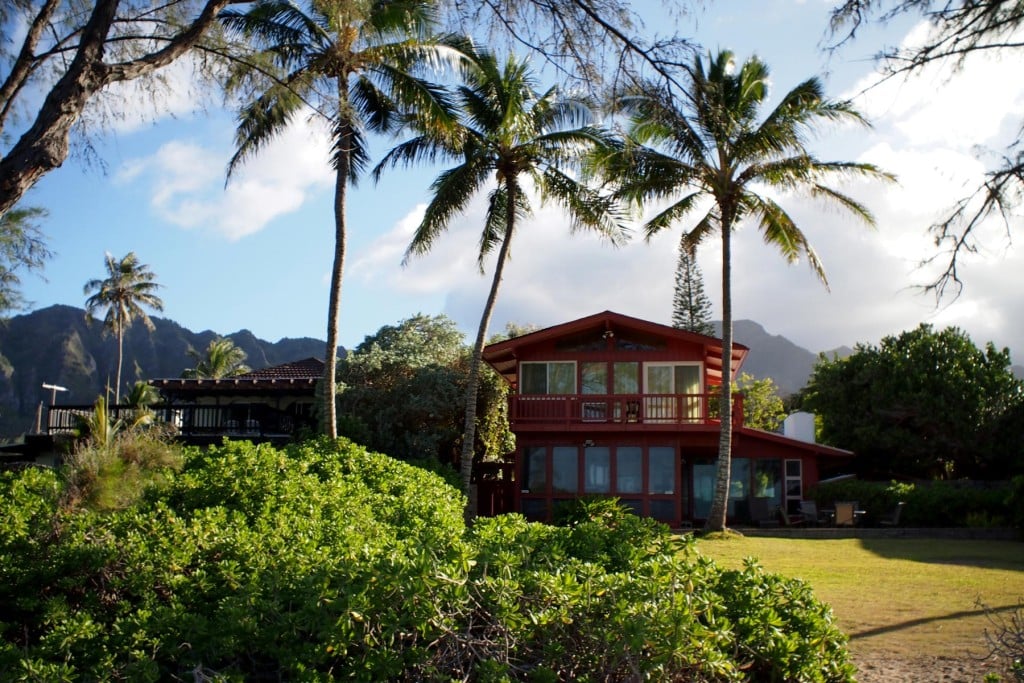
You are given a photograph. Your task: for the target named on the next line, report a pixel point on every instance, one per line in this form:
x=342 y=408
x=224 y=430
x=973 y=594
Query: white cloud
x=943 y=105
x=187 y=182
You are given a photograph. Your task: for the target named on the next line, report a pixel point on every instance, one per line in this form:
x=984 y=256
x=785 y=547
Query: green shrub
x=323 y=561
x=611 y=596
x=1015 y=503
x=928 y=504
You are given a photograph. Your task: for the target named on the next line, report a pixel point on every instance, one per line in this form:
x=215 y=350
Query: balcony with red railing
x=655 y=412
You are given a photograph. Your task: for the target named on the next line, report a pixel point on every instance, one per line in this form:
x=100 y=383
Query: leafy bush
x=611 y=596
x=324 y=561
x=928 y=504
x=1015 y=503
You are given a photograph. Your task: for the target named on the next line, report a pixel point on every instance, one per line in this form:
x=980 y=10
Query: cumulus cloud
x=187 y=182
x=923 y=132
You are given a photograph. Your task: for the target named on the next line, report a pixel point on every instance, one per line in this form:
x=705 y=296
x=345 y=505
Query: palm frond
x=779 y=230
x=452 y=190
x=587 y=208
x=667 y=218
x=262 y=120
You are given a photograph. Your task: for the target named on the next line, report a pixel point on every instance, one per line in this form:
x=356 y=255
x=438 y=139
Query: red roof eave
x=814 y=448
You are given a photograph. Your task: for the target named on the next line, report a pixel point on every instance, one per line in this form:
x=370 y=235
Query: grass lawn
x=904 y=598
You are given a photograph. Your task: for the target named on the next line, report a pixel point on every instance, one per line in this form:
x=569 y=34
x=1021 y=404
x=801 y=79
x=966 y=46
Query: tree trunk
x=343 y=163
x=120 y=360
x=723 y=466
x=473 y=384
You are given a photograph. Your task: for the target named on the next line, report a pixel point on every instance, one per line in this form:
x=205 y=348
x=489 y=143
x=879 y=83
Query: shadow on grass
x=952 y=616
x=983 y=554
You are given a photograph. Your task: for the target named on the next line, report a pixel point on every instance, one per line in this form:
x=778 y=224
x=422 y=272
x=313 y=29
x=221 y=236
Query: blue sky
x=257 y=253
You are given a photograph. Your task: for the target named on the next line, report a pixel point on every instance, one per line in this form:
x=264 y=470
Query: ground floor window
x=755 y=488
x=647 y=479
x=652 y=480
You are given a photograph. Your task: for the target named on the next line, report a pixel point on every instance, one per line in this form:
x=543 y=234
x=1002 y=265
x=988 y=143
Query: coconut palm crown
x=353 y=64
x=221 y=359
x=128 y=288
x=712 y=158
x=513 y=140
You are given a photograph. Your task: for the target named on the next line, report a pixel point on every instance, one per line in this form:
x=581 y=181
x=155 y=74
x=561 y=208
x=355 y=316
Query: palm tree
x=221 y=359
x=128 y=287
x=507 y=137
x=715 y=157
x=351 y=64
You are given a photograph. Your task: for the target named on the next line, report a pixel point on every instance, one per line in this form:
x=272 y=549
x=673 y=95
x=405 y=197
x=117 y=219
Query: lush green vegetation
x=899 y=597
x=324 y=562
x=932 y=503
x=401 y=391
x=924 y=403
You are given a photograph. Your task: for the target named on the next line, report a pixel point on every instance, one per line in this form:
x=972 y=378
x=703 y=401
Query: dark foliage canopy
x=923 y=403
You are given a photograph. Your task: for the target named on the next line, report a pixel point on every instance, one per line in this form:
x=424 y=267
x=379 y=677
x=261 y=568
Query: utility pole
x=53 y=401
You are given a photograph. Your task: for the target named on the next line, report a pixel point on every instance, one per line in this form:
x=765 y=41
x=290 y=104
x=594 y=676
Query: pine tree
x=691 y=307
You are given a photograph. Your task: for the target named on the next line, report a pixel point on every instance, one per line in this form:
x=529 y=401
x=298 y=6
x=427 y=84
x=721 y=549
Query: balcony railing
x=624 y=409
x=254 y=420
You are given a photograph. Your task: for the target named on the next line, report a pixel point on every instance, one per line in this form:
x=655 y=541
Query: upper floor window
x=547 y=378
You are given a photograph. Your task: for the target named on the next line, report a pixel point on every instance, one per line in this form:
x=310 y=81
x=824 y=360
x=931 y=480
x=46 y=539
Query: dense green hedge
x=325 y=562
x=928 y=504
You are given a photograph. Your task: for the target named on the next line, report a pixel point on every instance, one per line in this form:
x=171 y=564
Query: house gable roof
x=300 y=375
x=503 y=355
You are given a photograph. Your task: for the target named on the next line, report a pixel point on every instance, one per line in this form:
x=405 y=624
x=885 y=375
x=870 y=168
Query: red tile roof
x=300 y=375
x=308 y=368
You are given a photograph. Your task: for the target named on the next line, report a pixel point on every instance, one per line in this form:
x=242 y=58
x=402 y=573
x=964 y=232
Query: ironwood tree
x=22 y=248
x=959 y=31
x=69 y=54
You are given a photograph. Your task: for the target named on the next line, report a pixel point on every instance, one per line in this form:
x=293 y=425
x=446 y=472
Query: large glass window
x=739 y=489
x=663 y=510
x=629 y=469
x=667 y=380
x=547 y=378
x=626 y=378
x=565 y=469
x=593 y=378
x=597 y=469
x=703 y=488
x=661 y=470
x=535 y=471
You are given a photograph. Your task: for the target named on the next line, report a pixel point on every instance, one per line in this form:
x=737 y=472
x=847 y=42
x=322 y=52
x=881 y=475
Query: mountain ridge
x=55 y=345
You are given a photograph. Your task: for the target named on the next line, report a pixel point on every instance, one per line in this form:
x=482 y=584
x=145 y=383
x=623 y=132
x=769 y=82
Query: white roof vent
x=799 y=426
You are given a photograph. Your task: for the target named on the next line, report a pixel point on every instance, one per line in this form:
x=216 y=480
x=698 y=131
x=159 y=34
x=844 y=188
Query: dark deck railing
x=594 y=409
x=253 y=420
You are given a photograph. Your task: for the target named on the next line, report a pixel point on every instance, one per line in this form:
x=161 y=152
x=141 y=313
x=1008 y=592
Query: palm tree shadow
x=952 y=616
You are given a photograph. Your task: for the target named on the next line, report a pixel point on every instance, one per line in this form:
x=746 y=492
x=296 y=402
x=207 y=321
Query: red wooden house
x=618 y=406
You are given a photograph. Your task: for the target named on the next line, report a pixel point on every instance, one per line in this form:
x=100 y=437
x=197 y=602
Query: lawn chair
x=790 y=520
x=893 y=518
x=809 y=511
x=846 y=513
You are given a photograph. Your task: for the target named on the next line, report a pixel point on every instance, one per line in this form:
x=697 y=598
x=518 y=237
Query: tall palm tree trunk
x=120 y=360
x=344 y=162
x=723 y=467
x=473 y=384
